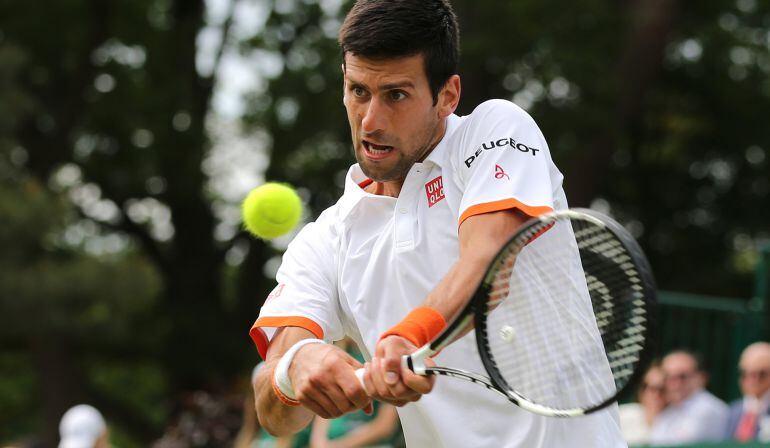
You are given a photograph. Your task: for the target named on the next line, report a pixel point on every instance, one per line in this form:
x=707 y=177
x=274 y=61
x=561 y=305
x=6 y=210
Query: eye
x=397 y=95
x=358 y=91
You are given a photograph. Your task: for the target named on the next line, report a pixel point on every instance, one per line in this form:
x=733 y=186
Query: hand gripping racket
x=562 y=316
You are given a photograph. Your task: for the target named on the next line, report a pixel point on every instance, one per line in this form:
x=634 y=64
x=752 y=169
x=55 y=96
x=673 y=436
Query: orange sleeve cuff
x=419 y=327
x=260 y=338
x=505 y=204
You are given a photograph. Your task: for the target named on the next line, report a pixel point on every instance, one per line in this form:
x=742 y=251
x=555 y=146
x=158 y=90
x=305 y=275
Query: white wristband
x=281 y=378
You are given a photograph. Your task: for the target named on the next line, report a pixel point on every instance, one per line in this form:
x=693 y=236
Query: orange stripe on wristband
x=284 y=399
x=419 y=327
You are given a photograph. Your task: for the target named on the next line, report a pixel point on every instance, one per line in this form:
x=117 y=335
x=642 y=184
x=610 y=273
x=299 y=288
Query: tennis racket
x=562 y=316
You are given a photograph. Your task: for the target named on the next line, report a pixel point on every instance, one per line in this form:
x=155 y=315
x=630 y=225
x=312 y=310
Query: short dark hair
x=383 y=29
x=700 y=364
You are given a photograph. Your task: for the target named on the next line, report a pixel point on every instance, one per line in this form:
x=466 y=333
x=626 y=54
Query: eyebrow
x=397 y=85
x=390 y=86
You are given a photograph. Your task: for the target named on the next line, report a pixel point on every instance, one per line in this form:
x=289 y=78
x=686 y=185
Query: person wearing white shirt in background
x=636 y=419
x=749 y=416
x=693 y=414
x=83 y=426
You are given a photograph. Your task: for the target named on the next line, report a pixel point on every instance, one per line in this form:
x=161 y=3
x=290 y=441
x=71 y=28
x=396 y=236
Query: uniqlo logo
x=435 y=191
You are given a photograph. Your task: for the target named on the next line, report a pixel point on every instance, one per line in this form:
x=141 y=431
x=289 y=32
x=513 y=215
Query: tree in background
x=652 y=108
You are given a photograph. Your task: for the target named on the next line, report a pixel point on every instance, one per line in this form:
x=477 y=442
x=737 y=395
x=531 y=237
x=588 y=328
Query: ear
x=703 y=379
x=449 y=97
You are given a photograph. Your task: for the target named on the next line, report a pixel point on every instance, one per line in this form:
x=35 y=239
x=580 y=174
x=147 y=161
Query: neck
x=393 y=188
x=439 y=133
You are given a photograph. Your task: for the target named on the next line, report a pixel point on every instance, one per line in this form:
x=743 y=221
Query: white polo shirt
x=369 y=260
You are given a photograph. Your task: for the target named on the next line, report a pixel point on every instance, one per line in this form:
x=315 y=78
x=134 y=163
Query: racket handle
x=360 y=376
x=406 y=362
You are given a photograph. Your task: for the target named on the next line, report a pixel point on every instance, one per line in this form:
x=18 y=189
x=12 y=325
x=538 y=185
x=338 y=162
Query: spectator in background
x=82 y=426
x=356 y=429
x=692 y=414
x=750 y=414
x=251 y=434
x=205 y=418
x=636 y=419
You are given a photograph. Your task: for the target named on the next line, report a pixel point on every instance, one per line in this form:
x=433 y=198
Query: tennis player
x=430 y=201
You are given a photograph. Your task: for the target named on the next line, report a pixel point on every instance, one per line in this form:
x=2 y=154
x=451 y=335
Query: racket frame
x=478 y=304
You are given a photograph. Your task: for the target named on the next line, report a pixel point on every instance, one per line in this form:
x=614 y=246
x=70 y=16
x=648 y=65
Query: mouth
x=374 y=151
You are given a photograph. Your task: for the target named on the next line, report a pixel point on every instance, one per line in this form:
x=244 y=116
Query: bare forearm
x=481 y=237
x=276 y=417
x=452 y=292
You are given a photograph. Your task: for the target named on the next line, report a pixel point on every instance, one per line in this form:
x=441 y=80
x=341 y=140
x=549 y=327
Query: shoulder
x=496 y=120
x=497 y=110
x=498 y=105
x=707 y=402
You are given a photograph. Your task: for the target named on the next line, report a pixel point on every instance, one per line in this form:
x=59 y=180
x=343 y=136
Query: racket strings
x=622 y=316
x=566 y=327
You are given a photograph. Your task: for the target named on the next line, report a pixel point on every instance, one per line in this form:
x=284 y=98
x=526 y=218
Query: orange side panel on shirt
x=260 y=338
x=505 y=204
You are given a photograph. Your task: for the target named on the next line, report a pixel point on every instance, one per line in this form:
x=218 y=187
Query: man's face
x=755 y=372
x=393 y=121
x=653 y=388
x=682 y=377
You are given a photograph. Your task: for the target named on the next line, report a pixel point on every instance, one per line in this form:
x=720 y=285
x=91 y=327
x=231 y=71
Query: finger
x=315 y=407
x=398 y=393
x=369 y=409
x=353 y=362
x=320 y=397
x=379 y=387
x=421 y=384
x=340 y=398
x=392 y=366
x=379 y=349
x=402 y=392
x=368 y=384
x=354 y=391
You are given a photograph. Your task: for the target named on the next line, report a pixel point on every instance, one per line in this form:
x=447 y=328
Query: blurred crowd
x=227 y=418
x=673 y=406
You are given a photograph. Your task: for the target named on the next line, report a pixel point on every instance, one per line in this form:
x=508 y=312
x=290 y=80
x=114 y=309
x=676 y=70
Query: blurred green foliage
x=125 y=281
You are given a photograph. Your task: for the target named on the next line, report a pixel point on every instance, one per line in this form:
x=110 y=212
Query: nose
x=375 y=117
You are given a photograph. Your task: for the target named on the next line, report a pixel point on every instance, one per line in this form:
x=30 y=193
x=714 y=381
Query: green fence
x=718 y=328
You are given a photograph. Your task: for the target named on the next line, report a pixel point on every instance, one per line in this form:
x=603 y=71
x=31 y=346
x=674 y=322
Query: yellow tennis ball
x=271 y=210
